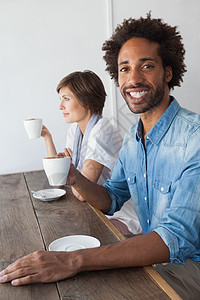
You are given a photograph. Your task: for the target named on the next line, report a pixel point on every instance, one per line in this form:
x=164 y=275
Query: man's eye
x=148 y=67
x=124 y=69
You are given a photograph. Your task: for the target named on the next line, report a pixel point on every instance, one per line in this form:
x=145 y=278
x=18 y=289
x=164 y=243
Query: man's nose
x=135 y=77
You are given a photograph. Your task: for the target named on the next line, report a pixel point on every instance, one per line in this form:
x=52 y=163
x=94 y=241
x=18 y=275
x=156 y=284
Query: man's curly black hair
x=171 y=48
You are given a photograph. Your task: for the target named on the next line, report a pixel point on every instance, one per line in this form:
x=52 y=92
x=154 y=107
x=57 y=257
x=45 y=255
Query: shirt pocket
x=132 y=184
x=162 y=197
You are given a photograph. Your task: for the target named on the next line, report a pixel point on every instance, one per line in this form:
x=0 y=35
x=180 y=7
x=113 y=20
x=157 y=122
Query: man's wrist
x=77 y=260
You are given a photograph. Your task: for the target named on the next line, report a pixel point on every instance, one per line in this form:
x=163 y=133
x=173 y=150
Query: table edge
x=149 y=269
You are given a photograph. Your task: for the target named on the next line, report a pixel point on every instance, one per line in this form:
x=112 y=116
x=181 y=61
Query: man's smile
x=138 y=94
x=135 y=94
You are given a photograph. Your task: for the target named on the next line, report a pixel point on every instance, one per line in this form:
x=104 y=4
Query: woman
x=92 y=142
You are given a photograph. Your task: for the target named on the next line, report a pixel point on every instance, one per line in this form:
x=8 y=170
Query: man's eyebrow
x=146 y=58
x=143 y=59
x=123 y=62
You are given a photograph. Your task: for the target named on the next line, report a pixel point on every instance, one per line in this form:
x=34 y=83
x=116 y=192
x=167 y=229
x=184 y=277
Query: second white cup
x=33 y=127
x=56 y=169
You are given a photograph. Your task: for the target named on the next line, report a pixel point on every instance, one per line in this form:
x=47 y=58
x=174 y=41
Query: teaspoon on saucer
x=39 y=194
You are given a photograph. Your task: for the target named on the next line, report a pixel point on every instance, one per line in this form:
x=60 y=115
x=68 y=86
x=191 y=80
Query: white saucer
x=49 y=194
x=74 y=242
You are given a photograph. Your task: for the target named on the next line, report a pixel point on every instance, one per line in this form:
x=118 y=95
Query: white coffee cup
x=33 y=127
x=56 y=169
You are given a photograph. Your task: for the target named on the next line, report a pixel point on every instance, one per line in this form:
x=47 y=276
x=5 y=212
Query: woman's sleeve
x=104 y=144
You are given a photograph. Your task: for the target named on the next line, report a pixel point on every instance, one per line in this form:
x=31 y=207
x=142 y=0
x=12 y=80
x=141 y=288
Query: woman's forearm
x=51 y=149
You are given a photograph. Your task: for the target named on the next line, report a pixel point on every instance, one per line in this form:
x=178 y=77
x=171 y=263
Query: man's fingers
x=25 y=280
x=40 y=266
x=22 y=267
x=20 y=276
x=20 y=263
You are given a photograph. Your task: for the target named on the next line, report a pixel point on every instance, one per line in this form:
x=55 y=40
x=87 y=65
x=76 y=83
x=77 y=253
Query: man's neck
x=150 y=118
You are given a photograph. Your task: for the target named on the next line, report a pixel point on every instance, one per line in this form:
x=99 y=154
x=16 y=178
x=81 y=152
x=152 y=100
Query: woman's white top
x=103 y=146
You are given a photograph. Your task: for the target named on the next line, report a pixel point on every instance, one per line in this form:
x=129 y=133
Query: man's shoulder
x=188 y=119
x=185 y=125
x=189 y=116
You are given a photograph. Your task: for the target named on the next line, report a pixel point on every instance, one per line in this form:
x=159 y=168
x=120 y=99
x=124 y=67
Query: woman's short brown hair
x=87 y=87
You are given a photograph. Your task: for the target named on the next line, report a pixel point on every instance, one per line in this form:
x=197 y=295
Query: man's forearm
x=93 y=193
x=142 y=250
x=49 y=266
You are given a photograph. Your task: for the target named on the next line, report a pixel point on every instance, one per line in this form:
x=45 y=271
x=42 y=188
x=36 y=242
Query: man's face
x=141 y=76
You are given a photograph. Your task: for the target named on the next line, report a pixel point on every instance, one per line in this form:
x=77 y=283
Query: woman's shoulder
x=105 y=133
x=104 y=125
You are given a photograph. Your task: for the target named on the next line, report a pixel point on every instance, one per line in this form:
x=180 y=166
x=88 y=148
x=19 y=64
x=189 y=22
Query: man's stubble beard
x=155 y=98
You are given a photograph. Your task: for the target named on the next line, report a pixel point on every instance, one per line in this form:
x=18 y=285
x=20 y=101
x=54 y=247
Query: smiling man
x=142 y=79
x=158 y=167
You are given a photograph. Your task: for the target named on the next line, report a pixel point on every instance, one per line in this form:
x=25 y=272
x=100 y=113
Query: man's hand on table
x=40 y=266
x=44 y=266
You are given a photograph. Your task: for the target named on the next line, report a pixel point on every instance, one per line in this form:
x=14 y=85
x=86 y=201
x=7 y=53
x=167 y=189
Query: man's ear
x=168 y=73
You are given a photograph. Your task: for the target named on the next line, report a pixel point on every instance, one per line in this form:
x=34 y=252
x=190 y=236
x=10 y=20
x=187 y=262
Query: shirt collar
x=159 y=129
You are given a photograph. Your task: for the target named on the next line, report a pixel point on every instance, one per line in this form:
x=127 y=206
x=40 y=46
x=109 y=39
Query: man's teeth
x=138 y=94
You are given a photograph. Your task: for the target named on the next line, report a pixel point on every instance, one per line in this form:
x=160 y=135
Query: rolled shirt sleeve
x=180 y=225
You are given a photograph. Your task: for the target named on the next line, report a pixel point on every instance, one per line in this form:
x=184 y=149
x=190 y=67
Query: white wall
x=41 y=42
x=44 y=40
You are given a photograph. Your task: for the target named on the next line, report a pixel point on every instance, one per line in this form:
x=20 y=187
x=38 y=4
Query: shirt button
x=145 y=198
x=162 y=189
x=147 y=138
x=148 y=221
x=129 y=179
x=144 y=175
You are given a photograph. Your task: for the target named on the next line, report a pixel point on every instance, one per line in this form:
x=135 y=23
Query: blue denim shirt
x=163 y=180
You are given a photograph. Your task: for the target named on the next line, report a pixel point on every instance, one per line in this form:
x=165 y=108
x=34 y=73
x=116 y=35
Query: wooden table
x=28 y=224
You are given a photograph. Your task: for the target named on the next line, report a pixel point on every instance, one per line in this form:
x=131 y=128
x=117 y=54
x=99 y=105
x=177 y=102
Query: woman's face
x=72 y=110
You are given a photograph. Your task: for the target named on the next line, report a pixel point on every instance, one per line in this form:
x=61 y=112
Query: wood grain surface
x=20 y=235
x=68 y=216
x=28 y=224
